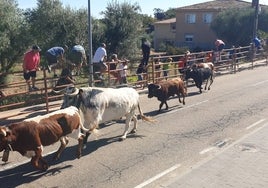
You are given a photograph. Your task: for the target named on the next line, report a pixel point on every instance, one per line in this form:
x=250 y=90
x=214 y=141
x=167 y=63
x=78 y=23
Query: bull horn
x=76 y=91
x=59 y=91
x=159 y=87
x=3 y=132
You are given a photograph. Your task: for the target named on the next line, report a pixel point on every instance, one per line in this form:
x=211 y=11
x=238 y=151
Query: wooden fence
x=15 y=94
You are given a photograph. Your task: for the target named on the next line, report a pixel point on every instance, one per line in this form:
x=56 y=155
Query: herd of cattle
x=83 y=109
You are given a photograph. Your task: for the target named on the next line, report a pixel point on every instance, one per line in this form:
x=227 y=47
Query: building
x=191 y=27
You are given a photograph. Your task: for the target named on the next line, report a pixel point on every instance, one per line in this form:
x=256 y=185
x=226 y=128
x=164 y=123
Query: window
x=207 y=18
x=173 y=27
x=189 y=37
x=190 y=18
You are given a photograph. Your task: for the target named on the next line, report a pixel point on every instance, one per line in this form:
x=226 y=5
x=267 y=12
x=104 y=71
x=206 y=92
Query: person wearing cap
x=30 y=65
x=99 y=65
x=54 y=56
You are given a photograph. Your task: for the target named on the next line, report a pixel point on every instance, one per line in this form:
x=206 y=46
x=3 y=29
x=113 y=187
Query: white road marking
x=259 y=83
x=6 y=167
x=190 y=106
x=158 y=176
x=206 y=150
x=255 y=124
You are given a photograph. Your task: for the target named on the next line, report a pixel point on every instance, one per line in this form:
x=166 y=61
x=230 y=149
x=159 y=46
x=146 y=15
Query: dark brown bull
x=28 y=137
x=166 y=89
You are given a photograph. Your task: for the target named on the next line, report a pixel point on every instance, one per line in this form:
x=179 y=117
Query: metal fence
x=15 y=94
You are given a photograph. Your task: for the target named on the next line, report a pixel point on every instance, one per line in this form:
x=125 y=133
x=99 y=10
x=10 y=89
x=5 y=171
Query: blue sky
x=147 y=6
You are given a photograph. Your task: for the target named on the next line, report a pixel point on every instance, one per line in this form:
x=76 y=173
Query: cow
x=165 y=89
x=99 y=105
x=29 y=136
x=199 y=75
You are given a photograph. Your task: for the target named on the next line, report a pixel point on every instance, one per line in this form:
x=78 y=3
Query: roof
x=218 y=4
x=171 y=20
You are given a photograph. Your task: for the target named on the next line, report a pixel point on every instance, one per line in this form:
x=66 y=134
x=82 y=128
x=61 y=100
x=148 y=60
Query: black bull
x=199 y=75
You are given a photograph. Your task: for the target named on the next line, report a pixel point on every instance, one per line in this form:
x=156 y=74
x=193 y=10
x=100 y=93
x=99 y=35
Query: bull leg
x=80 y=146
x=211 y=81
x=128 y=119
x=134 y=130
x=206 y=84
x=37 y=161
x=85 y=138
x=64 y=141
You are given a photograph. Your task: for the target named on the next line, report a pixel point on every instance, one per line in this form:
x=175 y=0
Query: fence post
x=46 y=90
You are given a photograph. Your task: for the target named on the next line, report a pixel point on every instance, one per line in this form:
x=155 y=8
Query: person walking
x=30 y=65
x=99 y=65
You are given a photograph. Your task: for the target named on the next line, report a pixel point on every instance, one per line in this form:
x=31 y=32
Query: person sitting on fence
x=77 y=57
x=99 y=65
x=65 y=79
x=30 y=65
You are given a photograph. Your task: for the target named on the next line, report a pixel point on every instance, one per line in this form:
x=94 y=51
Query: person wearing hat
x=30 y=65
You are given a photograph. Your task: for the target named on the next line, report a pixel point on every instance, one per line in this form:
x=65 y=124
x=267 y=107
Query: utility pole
x=90 y=63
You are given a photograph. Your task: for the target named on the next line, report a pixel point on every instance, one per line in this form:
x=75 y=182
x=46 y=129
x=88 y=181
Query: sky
x=147 y=6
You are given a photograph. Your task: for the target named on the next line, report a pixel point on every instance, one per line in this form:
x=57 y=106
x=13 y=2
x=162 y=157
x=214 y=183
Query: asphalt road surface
x=182 y=137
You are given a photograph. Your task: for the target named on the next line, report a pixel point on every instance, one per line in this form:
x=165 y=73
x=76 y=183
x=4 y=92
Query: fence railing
x=15 y=94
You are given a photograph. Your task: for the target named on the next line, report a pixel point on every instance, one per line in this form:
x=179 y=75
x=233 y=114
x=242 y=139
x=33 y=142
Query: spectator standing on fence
x=166 y=67
x=54 y=57
x=99 y=65
x=219 y=45
x=123 y=72
x=146 y=48
x=77 y=57
x=30 y=65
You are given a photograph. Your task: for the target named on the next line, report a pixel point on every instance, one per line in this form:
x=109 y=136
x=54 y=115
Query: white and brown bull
x=29 y=136
x=99 y=105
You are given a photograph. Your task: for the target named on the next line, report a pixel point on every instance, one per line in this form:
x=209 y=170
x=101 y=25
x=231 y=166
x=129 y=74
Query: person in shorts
x=31 y=61
x=54 y=56
x=77 y=56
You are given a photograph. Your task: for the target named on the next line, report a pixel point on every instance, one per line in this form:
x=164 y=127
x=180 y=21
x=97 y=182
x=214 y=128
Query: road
x=182 y=137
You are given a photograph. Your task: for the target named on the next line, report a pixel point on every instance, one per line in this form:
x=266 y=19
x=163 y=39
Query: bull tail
x=143 y=117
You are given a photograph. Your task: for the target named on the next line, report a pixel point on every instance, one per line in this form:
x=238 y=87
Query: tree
x=159 y=14
x=235 y=26
x=13 y=35
x=123 y=28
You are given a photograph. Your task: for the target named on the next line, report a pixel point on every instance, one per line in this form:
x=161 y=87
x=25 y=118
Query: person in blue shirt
x=257 y=42
x=55 y=55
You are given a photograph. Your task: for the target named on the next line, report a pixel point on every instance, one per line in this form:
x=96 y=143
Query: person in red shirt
x=30 y=65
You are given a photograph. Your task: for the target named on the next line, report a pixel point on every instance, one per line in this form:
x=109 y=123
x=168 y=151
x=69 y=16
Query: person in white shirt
x=99 y=58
